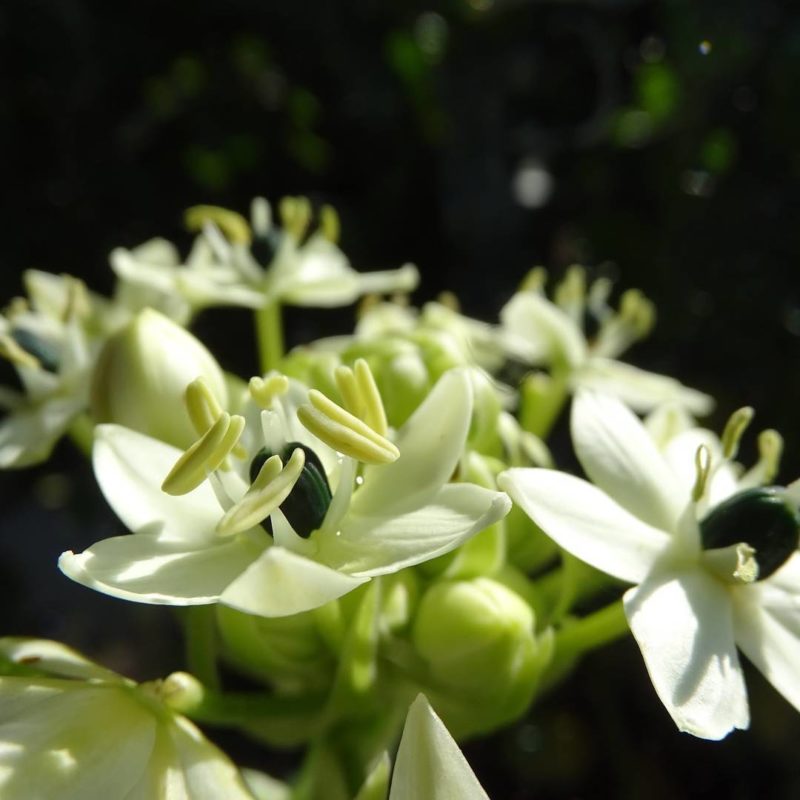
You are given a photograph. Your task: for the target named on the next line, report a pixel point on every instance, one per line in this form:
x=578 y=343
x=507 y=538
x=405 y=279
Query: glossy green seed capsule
x=308 y=502
x=762 y=518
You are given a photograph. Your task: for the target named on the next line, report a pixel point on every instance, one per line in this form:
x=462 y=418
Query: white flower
x=551 y=333
x=186 y=551
x=647 y=522
x=254 y=264
x=47 y=342
x=73 y=730
x=429 y=764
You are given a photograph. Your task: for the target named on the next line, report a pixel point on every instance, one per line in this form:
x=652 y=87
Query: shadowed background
x=657 y=140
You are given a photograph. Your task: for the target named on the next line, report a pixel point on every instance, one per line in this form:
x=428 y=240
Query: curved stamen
x=205 y=455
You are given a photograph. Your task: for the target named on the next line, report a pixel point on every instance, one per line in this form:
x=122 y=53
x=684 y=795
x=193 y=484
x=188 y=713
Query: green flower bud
x=142 y=373
x=477 y=639
x=290 y=653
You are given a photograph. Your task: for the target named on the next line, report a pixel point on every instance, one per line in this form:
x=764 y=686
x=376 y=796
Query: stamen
x=265 y=390
x=231 y=223
x=270 y=488
x=702 y=464
x=204 y=456
x=9 y=349
x=295 y=215
x=329 y=223
x=347 y=385
x=734 y=429
x=260 y=217
x=374 y=413
x=202 y=406
x=344 y=432
x=770 y=450
x=534 y=281
x=77 y=305
x=570 y=294
x=449 y=300
x=633 y=321
x=597 y=299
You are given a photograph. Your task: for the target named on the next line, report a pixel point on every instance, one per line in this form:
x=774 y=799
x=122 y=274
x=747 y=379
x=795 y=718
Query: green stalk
x=201 y=644
x=81 y=432
x=269 y=334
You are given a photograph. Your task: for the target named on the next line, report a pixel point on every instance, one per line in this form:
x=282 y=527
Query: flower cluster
x=373 y=518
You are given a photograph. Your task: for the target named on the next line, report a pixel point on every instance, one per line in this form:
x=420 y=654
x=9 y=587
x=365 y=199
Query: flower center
x=308 y=501
x=762 y=519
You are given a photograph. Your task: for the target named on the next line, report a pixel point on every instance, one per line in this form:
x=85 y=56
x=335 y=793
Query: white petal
x=130 y=468
x=28 y=435
x=429 y=764
x=585 y=521
x=545 y=328
x=767 y=621
x=639 y=389
x=620 y=457
x=53 y=657
x=208 y=773
x=431 y=443
x=684 y=627
x=281 y=583
x=67 y=740
x=150 y=567
x=380 y=544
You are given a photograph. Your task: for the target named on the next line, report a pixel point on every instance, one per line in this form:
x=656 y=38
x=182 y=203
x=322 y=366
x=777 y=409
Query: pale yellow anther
x=734 y=429
x=78 y=305
x=770 y=449
x=329 y=223
x=232 y=224
x=344 y=432
x=449 y=300
x=637 y=312
x=534 y=281
x=571 y=291
x=295 y=215
x=702 y=465
x=270 y=488
x=368 y=301
x=348 y=389
x=374 y=413
x=260 y=216
x=597 y=297
x=10 y=350
x=265 y=390
x=204 y=456
x=16 y=306
x=201 y=404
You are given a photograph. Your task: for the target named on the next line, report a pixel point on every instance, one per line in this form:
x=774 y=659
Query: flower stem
x=81 y=431
x=579 y=636
x=201 y=644
x=269 y=333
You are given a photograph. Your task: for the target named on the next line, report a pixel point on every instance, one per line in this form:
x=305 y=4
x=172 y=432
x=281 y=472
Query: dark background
x=662 y=141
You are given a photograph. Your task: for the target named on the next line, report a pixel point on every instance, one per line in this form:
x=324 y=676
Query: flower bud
x=142 y=373
x=477 y=638
x=291 y=653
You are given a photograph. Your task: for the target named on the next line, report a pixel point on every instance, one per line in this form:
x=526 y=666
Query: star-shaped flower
x=255 y=263
x=336 y=517
x=77 y=731
x=715 y=565
x=551 y=333
x=47 y=341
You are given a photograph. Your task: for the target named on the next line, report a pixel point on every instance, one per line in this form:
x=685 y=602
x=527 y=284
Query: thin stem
x=81 y=432
x=590 y=632
x=269 y=333
x=201 y=644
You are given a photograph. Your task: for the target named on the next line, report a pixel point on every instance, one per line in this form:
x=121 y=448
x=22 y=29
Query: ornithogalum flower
x=253 y=264
x=551 y=333
x=291 y=506
x=73 y=730
x=712 y=555
x=47 y=341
